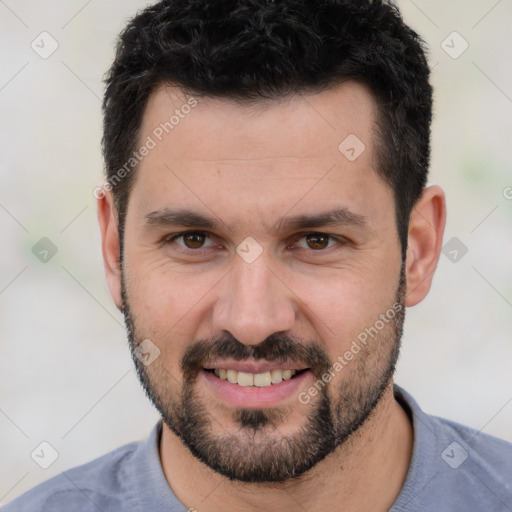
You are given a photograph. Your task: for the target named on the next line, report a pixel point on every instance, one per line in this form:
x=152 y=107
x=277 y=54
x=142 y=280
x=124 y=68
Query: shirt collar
x=151 y=490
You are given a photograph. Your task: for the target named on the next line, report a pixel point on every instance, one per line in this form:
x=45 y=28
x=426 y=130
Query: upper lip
x=254 y=366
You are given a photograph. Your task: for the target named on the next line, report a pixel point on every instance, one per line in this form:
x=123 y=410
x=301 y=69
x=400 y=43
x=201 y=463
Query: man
x=265 y=222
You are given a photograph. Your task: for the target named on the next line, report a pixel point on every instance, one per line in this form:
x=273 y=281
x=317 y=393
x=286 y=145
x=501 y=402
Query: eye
x=317 y=241
x=191 y=240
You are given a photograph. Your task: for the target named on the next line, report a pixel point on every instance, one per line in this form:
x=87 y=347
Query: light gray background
x=66 y=376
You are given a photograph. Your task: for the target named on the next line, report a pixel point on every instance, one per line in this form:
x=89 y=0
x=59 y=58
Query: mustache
x=276 y=347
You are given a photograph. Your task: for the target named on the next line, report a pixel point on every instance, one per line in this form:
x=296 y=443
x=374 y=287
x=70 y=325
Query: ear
x=107 y=218
x=426 y=229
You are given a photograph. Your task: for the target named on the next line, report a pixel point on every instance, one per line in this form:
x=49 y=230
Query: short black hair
x=252 y=50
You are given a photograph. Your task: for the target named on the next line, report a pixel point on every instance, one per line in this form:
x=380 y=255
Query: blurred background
x=66 y=376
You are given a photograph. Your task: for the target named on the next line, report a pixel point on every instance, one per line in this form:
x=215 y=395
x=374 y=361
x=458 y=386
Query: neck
x=366 y=473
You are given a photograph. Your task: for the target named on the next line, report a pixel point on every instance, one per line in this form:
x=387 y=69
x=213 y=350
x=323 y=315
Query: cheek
x=166 y=302
x=167 y=309
x=344 y=302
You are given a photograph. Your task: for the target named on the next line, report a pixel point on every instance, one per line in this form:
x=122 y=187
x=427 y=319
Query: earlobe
x=108 y=221
x=426 y=229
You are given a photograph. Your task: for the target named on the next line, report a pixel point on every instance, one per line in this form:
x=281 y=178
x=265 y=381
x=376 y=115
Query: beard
x=256 y=451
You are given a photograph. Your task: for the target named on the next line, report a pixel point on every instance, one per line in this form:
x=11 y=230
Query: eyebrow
x=332 y=218
x=167 y=217
x=184 y=217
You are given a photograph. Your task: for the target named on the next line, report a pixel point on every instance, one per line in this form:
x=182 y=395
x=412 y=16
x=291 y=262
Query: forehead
x=230 y=157
x=299 y=125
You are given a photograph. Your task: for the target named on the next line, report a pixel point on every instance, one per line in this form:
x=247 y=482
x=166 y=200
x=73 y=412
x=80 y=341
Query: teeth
x=276 y=376
x=232 y=376
x=260 y=380
x=287 y=374
x=245 y=379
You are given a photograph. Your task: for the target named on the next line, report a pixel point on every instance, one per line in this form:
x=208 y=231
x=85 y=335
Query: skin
x=250 y=167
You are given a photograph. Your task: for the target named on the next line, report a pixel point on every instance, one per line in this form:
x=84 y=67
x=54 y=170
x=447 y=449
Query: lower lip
x=252 y=397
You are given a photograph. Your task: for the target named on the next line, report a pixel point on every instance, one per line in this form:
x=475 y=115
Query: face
x=262 y=264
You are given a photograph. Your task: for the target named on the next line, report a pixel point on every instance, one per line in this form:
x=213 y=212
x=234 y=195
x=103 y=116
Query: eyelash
x=173 y=238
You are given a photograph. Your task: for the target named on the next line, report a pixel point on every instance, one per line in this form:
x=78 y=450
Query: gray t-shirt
x=453 y=468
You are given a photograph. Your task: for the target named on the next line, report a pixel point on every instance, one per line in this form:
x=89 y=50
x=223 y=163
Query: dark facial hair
x=255 y=451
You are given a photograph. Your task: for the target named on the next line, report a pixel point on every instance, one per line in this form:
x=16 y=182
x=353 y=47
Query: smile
x=259 y=380
x=265 y=386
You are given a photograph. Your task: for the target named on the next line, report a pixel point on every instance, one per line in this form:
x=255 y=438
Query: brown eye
x=194 y=240
x=191 y=242
x=317 y=241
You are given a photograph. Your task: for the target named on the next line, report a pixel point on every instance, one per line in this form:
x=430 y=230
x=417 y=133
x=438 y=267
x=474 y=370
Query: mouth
x=265 y=386
x=260 y=380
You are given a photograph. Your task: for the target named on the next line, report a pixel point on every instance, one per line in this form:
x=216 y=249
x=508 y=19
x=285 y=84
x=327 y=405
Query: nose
x=253 y=303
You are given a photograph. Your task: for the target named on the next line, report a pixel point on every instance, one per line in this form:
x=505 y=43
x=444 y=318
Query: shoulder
x=487 y=455
x=453 y=466
x=476 y=468
x=97 y=485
